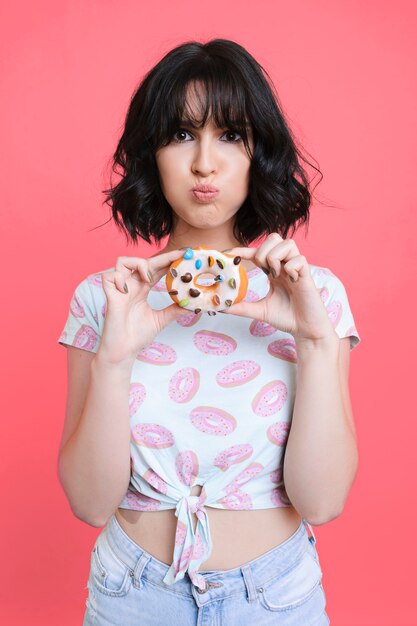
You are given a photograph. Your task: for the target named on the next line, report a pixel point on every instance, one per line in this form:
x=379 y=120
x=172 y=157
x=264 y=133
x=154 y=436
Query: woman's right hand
x=130 y=323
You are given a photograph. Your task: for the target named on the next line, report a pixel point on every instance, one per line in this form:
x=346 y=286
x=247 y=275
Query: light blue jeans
x=282 y=586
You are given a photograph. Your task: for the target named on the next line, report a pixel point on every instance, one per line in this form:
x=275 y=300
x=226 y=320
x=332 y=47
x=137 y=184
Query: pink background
x=345 y=72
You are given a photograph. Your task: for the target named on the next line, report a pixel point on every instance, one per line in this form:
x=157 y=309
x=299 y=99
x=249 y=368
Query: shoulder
x=90 y=291
x=335 y=298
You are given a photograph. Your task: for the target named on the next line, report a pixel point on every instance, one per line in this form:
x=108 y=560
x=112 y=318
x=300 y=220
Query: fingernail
x=266 y=270
x=273 y=272
x=150 y=276
x=228 y=250
x=125 y=288
x=292 y=279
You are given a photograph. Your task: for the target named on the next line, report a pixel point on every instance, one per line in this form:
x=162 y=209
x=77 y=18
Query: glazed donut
x=229 y=286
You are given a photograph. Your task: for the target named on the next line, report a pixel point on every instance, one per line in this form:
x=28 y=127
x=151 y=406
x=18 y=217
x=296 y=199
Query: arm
x=94 y=461
x=321 y=456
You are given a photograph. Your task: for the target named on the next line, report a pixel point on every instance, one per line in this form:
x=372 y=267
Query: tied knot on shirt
x=194 y=505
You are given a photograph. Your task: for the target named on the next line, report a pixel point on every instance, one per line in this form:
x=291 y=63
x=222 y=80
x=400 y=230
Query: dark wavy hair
x=237 y=90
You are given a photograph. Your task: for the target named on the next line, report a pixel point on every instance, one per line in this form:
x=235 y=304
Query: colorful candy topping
x=189 y=253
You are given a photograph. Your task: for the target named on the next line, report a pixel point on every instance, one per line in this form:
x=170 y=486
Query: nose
x=204 y=158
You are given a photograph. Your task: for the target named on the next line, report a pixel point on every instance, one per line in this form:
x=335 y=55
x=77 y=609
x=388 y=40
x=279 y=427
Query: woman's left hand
x=292 y=307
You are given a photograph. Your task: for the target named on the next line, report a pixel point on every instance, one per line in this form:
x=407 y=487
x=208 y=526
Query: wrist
x=329 y=343
x=105 y=362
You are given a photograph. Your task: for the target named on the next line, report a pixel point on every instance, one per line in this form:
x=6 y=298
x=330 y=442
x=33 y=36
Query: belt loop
x=139 y=567
x=250 y=586
x=312 y=538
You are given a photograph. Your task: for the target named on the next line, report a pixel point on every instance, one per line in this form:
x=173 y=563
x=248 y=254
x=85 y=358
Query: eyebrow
x=191 y=124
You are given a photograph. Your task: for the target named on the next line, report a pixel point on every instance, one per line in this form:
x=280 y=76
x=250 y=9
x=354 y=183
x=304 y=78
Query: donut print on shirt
x=210 y=403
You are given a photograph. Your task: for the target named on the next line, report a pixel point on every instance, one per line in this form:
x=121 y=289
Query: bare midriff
x=237 y=536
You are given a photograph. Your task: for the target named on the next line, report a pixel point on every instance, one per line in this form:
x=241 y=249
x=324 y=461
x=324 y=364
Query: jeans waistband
x=220 y=583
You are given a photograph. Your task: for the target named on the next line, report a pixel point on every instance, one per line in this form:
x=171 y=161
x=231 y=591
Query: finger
x=280 y=253
x=160 y=263
x=298 y=267
x=149 y=270
x=127 y=265
x=253 y=310
x=169 y=314
x=114 y=279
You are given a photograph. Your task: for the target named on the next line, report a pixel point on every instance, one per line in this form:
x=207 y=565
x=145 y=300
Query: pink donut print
x=245 y=476
x=254 y=271
x=198 y=549
x=155 y=481
x=86 y=337
x=238 y=373
x=137 y=394
x=284 y=349
x=95 y=279
x=76 y=307
x=237 y=500
x=189 y=318
x=187 y=466
x=140 y=502
x=251 y=296
x=232 y=455
x=152 y=436
x=157 y=353
x=323 y=271
x=160 y=285
x=180 y=533
x=279 y=497
x=213 y=421
x=324 y=293
x=185 y=558
x=278 y=433
x=184 y=384
x=218 y=344
x=270 y=399
x=334 y=311
x=276 y=475
x=261 y=329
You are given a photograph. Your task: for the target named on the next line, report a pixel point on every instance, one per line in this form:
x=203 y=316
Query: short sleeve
x=84 y=324
x=335 y=299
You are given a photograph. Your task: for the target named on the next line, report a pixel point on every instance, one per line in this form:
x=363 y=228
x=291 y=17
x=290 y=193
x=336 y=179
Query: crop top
x=210 y=404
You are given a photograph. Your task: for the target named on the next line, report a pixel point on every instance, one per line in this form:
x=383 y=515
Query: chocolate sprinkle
x=174 y=292
x=228 y=303
x=221 y=263
x=197 y=311
x=237 y=260
x=187 y=278
x=211 y=312
x=194 y=293
x=173 y=272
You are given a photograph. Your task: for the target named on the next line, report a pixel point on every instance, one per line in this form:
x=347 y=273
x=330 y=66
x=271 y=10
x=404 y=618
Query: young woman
x=208 y=444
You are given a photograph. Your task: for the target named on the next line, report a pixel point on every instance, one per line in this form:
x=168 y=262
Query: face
x=212 y=156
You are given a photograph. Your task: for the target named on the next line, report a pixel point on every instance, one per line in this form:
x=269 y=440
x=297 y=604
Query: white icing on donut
x=205 y=300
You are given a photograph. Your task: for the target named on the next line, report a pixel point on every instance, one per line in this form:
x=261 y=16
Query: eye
x=232 y=132
x=182 y=131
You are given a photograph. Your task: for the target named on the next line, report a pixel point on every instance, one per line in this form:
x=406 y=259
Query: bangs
x=216 y=94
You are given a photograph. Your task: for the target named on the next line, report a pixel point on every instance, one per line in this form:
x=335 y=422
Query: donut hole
x=205 y=280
